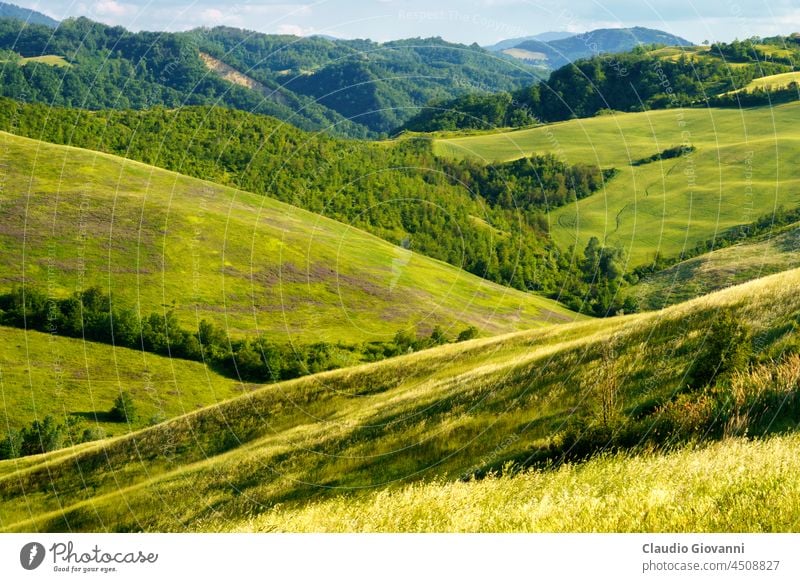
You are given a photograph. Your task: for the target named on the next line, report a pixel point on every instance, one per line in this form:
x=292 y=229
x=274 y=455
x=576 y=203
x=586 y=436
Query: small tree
x=405 y=341
x=726 y=348
x=467 y=334
x=437 y=337
x=11 y=445
x=42 y=436
x=124 y=409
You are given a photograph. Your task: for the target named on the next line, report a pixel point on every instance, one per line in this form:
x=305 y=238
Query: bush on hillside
x=726 y=348
x=124 y=409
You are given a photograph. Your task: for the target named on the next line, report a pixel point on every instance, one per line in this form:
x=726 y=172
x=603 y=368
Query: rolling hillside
x=780 y=81
x=156 y=240
x=27 y=15
x=722 y=268
x=43 y=374
x=742 y=168
x=640 y=80
x=441 y=415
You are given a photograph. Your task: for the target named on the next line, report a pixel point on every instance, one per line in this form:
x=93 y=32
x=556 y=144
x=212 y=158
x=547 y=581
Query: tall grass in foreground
x=733 y=485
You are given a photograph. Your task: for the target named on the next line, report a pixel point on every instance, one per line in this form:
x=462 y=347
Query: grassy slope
x=719 y=269
x=52 y=60
x=743 y=167
x=432 y=415
x=711 y=489
x=42 y=374
x=72 y=218
x=773 y=82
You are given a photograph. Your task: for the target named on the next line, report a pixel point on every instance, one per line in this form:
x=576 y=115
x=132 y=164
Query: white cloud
x=216 y=17
x=246 y=15
x=211 y=14
x=295 y=29
x=112 y=8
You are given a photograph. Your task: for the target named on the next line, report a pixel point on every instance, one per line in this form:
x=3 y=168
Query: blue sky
x=481 y=21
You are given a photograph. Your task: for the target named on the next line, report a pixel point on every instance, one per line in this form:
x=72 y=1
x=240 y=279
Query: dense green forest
x=113 y=68
x=313 y=83
x=644 y=78
x=462 y=213
x=379 y=85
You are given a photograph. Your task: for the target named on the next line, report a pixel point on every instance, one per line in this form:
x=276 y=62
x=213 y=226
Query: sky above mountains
x=467 y=21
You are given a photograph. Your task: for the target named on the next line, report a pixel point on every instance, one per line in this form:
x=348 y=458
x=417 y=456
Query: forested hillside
x=312 y=83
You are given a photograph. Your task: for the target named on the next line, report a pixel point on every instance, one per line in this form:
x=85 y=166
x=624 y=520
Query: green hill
x=43 y=374
x=779 y=81
x=157 y=240
x=444 y=414
x=709 y=272
x=26 y=15
x=461 y=213
x=741 y=168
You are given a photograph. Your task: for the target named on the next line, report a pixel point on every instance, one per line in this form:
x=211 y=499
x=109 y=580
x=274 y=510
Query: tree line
x=90 y=315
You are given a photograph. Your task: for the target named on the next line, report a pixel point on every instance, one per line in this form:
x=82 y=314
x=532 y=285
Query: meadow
x=773 y=82
x=157 y=241
x=52 y=60
x=454 y=412
x=725 y=267
x=42 y=374
x=742 y=168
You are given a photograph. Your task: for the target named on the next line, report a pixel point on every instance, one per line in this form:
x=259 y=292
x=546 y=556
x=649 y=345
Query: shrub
x=437 y=336
x=467 y=334
x=43 y=436
x=726 y=349
x=124 y=409
x=11 y=445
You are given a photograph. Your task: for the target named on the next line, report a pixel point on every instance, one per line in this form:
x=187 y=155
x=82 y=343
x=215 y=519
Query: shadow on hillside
x=96 y=416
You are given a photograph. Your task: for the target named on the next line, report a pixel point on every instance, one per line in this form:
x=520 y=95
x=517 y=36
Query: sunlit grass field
x=156 y=240
x=743 y=167
x=428 y=419
x=774 y=82
x=52 y=60
x=734 y=485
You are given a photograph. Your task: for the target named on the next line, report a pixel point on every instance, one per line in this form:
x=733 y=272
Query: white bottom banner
x=368 y=557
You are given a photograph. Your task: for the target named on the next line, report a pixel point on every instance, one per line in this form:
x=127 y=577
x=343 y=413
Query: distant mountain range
x=26 y=14
x=554 y=53
x=542 y=36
